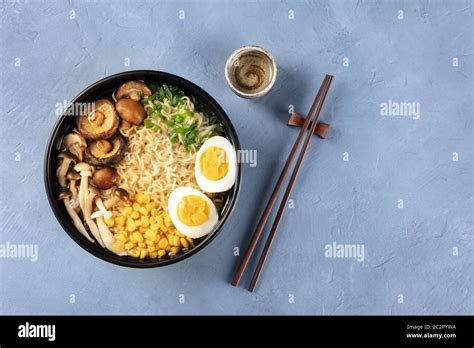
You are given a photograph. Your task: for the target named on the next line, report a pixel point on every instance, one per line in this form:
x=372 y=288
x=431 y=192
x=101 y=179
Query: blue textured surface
x=408 y=252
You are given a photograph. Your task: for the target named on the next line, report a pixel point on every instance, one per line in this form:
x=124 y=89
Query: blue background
x=408 y=251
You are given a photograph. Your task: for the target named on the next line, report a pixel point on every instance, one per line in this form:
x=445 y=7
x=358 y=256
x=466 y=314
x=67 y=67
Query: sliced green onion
x=148 y=123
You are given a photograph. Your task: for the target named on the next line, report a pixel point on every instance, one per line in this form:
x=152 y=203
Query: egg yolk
x=193 y=210
x=213 y=163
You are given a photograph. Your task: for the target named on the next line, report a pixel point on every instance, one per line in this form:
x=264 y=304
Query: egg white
x=191 y=231
x=228 y=180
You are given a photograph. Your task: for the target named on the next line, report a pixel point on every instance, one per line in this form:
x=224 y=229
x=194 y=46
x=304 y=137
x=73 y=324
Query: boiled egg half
x=192 y=212
x=216 y=165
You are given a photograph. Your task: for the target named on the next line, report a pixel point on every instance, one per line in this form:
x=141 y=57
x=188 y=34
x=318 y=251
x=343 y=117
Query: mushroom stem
x=109 y=203
x=87 y=215
x=106 y=235
x=107 y=214
x=96 y=214
x=67 y=157
x=63 y=171
x=119 y=195
x=84 y=188
x=74 y=198
x=76 y=220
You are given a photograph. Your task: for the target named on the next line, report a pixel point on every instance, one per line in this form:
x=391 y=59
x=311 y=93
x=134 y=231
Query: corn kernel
x=134 y=253
x=154 y=212
x=153 y=254
x=151 y=248
x=149 y=206
x=137 y=236
x=143 y=253
x=120 y=237
x=135 y=215
x=136 y=206
x=120 y=220
x=163 y=243
x=159 y=221
x=109 y=222
x=176 y=241
x=143 y=211
x=118 y=247
x=151 y=234
x=145 y=222
x=142 y=245
x=138 y=222
x=168 y=248
x=129 y=245
x=154 y=227
x=184 y=242
x=139 y=197
x=163 y=228
x=174 y=250
x=161 y=253
x=131 y=225
x=127 y=210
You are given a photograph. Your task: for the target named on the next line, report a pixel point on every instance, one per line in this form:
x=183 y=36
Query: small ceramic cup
x=250 y=72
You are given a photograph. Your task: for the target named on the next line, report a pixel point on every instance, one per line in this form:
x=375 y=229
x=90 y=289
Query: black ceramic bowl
x=65 y=124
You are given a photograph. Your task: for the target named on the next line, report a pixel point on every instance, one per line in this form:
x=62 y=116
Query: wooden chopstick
x=283 y=204
x=266 y=213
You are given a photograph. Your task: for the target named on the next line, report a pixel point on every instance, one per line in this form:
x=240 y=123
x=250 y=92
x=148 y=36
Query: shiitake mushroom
x=106 y=152
x=101 y=123
x=131 y=111
x=133 y=90
x=105 y=178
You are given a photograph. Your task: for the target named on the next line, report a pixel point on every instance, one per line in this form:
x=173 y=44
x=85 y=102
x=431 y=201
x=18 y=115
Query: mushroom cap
x=75 y=143
x=132 y=89
x=68 y=155
x=105 y=178
x=102 y=145
x=124 y=125
x=73 y=175
x=74 y=138
x=94 y=190
x=99 y=153
x=122 y=194
x=82 y=166
x=101 y=123
x=131 y=111
x=64 y=194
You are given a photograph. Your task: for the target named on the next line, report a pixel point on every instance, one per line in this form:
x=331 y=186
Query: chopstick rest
x=296 y=120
